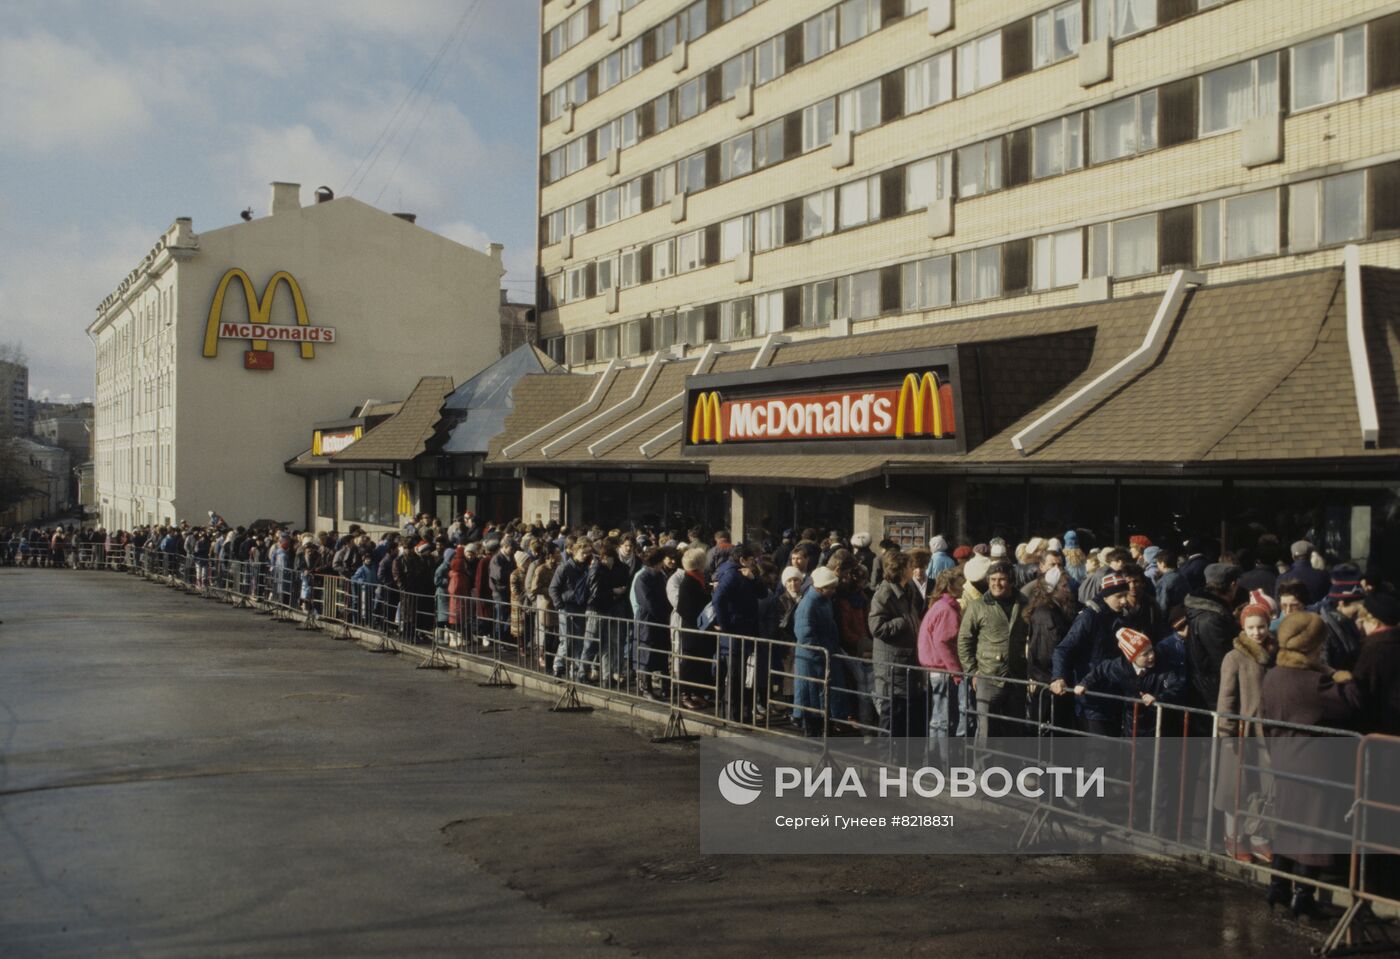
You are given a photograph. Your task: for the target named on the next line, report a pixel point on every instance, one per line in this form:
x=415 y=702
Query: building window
x=927 y=181
x=1329 y=69
x=554 y=103
x=609 y=206
x=578 y=89
x=979 y=168
x=735 y=72
x=1327 y=212
x=577 y=218
x=1059 y=260
x=661 y=113
x=732 y=8
x=859 y=18
x=1121 y=18
x=325 y=494
x=979 y=274
x=629 y=268
x=734 y=237
x=1232 y=95
x=610 y=71
x=1246 y=227
x=664 y=331
x=665 y=37
x=818 y=214
x=818 y=303
x=818 y=124
x=1123 y=128
x=928 y=82
x=554 y=227
x=663 y=185
x=575 y=156
x=1124 y=248
x=607 y=272
x=860 y=108
x=663 y=259
x=690 y=251
x=632 y=198
x=694 y=21
x=607 y=343
x=768 y=229
x=690 y=174
x=1058 y=146
x=858 y=296
x=369 y=497
x=768 y=145
x=576 y=284
x=736 y=319
x=768 y=313
x=927 y=283
x=860 y=202
x=736 y=157
x=1057 y=34
x=979 y=63
x=690 y=99
x=770 y=60
x=819 y=36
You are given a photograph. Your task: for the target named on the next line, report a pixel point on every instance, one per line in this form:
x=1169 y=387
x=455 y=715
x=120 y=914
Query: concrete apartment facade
x=197 y=411
x=1065 y=199
x=14 y=395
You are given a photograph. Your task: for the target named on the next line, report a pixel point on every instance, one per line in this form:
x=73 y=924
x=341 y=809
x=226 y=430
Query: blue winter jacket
x=1091 y=640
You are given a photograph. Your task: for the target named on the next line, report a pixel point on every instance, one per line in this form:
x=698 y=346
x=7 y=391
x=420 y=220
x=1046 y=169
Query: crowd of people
x=840 y=633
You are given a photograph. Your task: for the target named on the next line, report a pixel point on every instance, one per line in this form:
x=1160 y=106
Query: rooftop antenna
x=247 y=214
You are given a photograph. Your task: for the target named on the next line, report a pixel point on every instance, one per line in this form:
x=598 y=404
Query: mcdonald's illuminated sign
x=259 y=329
x=904 y=400
x=327 y=442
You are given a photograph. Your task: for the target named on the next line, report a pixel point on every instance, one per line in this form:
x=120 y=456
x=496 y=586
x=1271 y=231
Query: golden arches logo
x=259 y=308
x=920 y=408
x=705 y=424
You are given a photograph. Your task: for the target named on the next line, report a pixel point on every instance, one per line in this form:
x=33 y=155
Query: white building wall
x=404 y=302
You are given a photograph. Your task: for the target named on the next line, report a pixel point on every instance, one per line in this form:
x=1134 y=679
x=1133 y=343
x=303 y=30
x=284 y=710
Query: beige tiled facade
x=1359 y=133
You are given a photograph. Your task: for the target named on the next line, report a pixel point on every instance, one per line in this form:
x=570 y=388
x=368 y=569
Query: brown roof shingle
x=404 y=435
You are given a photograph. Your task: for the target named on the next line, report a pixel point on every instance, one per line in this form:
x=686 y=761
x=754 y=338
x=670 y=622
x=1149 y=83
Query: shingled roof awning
x=1252 y=372
x=405 y=435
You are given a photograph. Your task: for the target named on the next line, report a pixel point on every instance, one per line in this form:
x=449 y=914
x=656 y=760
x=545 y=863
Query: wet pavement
x=179 y=778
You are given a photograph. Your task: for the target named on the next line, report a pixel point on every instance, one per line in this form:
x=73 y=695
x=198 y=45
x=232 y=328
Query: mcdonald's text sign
x=258 y=329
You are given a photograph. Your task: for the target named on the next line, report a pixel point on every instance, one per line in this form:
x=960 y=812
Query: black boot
x=1280 y=892
x=1303 y=905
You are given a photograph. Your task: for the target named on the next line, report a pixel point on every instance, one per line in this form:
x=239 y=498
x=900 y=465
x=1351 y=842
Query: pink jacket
x=938 y=635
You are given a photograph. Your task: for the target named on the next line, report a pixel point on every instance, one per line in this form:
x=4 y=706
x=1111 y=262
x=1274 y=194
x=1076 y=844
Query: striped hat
x=1132 y=643
x=1346 y=584
x=1113 y=584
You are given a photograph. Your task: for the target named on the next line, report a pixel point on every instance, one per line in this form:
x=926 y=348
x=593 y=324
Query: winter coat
x=1377 y=673
x=1048 y=624
x=418 y=574
x=1171 y=590
x=564 y=588
x=1092 y=584
x=1318 y=582
x=1092 y=639
x=457 y=589
x=894 y=618
x=1343 y=637
x=1262 y=576
x=1241 y=682
x=938 y=564
x=814 y=625
x=653 y=609
x=517 y=603
x=853 y=622
x=692 y=596
x=1194 y=572
x=441 y=576
x=481 y=588
x=498 y=576
x=1309 y=697
x=607 y=589
x=992 y=642
x=1118 y=677
x=1211 y=632
x=938 y=635
x=735 y=600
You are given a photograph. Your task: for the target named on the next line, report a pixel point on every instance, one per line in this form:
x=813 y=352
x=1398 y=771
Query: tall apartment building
x=14 y=395
x=1100 y=214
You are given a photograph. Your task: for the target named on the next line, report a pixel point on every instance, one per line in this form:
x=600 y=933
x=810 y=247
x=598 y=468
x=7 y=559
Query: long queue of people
x=844 y=635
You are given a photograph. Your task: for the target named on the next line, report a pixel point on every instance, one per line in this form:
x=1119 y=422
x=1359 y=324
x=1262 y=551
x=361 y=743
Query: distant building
x=219 y=348
x=55 y=465
x=14 y=395
x=71 y=429
x=517 y=325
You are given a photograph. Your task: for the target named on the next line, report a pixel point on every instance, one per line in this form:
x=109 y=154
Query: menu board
x=908 y=532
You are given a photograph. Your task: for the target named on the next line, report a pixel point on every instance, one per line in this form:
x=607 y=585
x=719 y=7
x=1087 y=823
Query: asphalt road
x=179 y=778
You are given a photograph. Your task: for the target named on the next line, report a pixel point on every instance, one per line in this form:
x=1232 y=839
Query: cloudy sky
x=119 y=117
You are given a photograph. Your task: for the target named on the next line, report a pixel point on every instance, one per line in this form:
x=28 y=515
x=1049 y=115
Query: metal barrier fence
x=1178 y=759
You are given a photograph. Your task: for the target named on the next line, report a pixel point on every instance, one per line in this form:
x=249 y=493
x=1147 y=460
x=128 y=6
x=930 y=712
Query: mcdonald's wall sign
x=258 y=330
x=895 y=401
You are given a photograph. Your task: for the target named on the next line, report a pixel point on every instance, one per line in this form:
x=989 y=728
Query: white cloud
x=59 y=94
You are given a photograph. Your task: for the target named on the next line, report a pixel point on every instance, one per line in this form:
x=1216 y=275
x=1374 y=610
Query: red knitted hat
x=1132 y=643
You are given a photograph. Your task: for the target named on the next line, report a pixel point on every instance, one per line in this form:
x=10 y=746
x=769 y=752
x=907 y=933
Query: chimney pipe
x=407 y=217
x=324 y=193
x=285 y=197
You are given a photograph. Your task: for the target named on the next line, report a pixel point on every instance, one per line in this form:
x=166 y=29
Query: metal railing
x=1176 y=759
